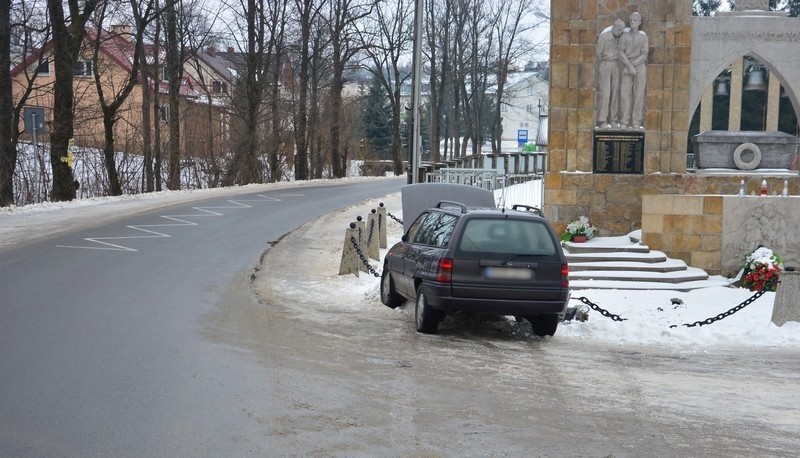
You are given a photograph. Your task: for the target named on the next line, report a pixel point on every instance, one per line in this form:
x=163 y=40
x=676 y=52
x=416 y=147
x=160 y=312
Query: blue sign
x=522 y=137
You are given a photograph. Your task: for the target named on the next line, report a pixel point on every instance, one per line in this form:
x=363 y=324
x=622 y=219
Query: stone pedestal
x=716 y=232
x=787 y=299
x=737 y=150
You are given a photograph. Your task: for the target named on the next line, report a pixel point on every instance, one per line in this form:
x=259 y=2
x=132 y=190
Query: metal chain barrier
x=602 y=311
x=767 y=287
x=364 y=259
x=394 y=217
x=371 y=231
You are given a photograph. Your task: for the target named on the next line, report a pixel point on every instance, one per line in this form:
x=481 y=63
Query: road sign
x=34 y=120
x=522 y=137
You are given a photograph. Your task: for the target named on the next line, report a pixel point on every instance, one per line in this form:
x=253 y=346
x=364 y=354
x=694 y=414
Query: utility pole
x=416 y=142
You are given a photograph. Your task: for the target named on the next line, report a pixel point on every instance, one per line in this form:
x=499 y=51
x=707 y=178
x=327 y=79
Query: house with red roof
x=204 y=120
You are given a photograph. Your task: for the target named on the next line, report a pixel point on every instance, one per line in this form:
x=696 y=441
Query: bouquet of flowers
x=581 y=226
x=761 y=270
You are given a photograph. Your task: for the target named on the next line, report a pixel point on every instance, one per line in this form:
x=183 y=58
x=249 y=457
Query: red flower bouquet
x=761 y=270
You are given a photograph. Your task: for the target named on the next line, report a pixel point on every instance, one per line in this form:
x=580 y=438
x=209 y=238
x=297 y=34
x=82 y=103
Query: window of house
x=530 y=90
x=43 y=68
x=83 y=68
x=164 y=109
x=218 y=86
x=164 y=73
x=529 y=108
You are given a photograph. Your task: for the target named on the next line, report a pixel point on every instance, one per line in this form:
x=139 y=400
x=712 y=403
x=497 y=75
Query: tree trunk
x=335 y=119
x=301 y=160
x=175 y=70
x=8 y=151
x=108 y=156
x=147 y=140
x=67 y=39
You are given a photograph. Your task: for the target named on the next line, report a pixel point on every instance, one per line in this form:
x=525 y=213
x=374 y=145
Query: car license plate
x=506 y=273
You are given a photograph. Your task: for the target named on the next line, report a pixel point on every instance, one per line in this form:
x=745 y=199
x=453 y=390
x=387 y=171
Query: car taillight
x=564 y=276
x=445 y=273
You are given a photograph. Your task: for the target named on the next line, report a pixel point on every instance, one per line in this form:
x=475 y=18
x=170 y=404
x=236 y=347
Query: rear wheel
x=389 y=296
x=427 y=319
x=544 y=325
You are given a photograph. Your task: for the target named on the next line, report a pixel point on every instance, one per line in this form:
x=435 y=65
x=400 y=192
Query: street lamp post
x=416 y=142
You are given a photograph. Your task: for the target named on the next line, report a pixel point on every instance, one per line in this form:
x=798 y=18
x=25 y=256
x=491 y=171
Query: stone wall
x=716 y=233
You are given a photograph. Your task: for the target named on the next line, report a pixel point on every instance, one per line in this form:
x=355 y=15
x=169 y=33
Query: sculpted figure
x=607 y=54
x=633 y=50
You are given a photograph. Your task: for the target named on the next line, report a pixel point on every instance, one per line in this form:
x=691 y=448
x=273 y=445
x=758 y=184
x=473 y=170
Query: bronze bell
x=755 y=81
x=722 y=89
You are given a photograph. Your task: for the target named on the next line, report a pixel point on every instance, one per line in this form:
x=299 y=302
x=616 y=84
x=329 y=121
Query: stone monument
x=607 y=172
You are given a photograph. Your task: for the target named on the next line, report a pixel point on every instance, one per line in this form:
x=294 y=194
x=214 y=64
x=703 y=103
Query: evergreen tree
x=793 y=8
x=377 y=121
x=705 y=7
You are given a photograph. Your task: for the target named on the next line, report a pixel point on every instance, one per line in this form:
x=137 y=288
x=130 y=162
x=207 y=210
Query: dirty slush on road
x=349 y=376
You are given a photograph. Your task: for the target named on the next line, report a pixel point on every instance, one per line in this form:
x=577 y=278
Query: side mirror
x=404 y=238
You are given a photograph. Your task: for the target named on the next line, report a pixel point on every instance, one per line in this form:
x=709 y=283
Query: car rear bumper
x=440 y=298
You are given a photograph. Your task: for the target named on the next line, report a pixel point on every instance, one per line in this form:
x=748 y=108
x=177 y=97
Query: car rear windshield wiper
x=509 y=259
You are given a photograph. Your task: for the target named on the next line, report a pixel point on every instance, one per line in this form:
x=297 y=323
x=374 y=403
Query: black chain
x=602 y=311
x=364 y=259
x=767 y=287
x=371 y=230
x=394 y=217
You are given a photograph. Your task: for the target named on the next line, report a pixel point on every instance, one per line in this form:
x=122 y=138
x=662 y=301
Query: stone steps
x=625 y=263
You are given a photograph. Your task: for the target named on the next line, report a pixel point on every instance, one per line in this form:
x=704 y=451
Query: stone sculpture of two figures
x=621 y=75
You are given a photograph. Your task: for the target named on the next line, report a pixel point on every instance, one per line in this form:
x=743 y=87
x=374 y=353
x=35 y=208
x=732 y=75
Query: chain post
x=349 y=263
x=382 y=226
x=372 y=245
x=364 y=260
x=362 y=235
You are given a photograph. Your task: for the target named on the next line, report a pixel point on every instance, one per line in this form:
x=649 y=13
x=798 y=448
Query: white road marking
x=178 y=219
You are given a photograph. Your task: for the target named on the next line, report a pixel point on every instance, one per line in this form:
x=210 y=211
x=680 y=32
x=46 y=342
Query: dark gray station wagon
x=478 y=260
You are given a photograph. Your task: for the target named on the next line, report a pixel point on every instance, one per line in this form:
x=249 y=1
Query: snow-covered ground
x=649 y=313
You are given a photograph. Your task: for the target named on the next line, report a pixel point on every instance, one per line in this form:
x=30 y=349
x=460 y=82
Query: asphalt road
x=108 y=342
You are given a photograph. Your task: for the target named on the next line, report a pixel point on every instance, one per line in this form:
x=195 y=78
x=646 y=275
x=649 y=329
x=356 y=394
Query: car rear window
x=435 y=229
x=508 y=236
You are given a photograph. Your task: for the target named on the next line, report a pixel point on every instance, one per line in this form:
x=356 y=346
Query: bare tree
x=264 y=37
x=307 y=12
x=439 y=47
x=386 y=45
x=320 y=69
x=479 y=42
x=509 y=30
x=67 y=41
x=110 y=106
x=30 y=30
x=276 y=48
x=174 y=76
x=343 y=21
x=141 y=20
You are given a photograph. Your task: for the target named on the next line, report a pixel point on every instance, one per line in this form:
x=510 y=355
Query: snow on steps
x=625 y=263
